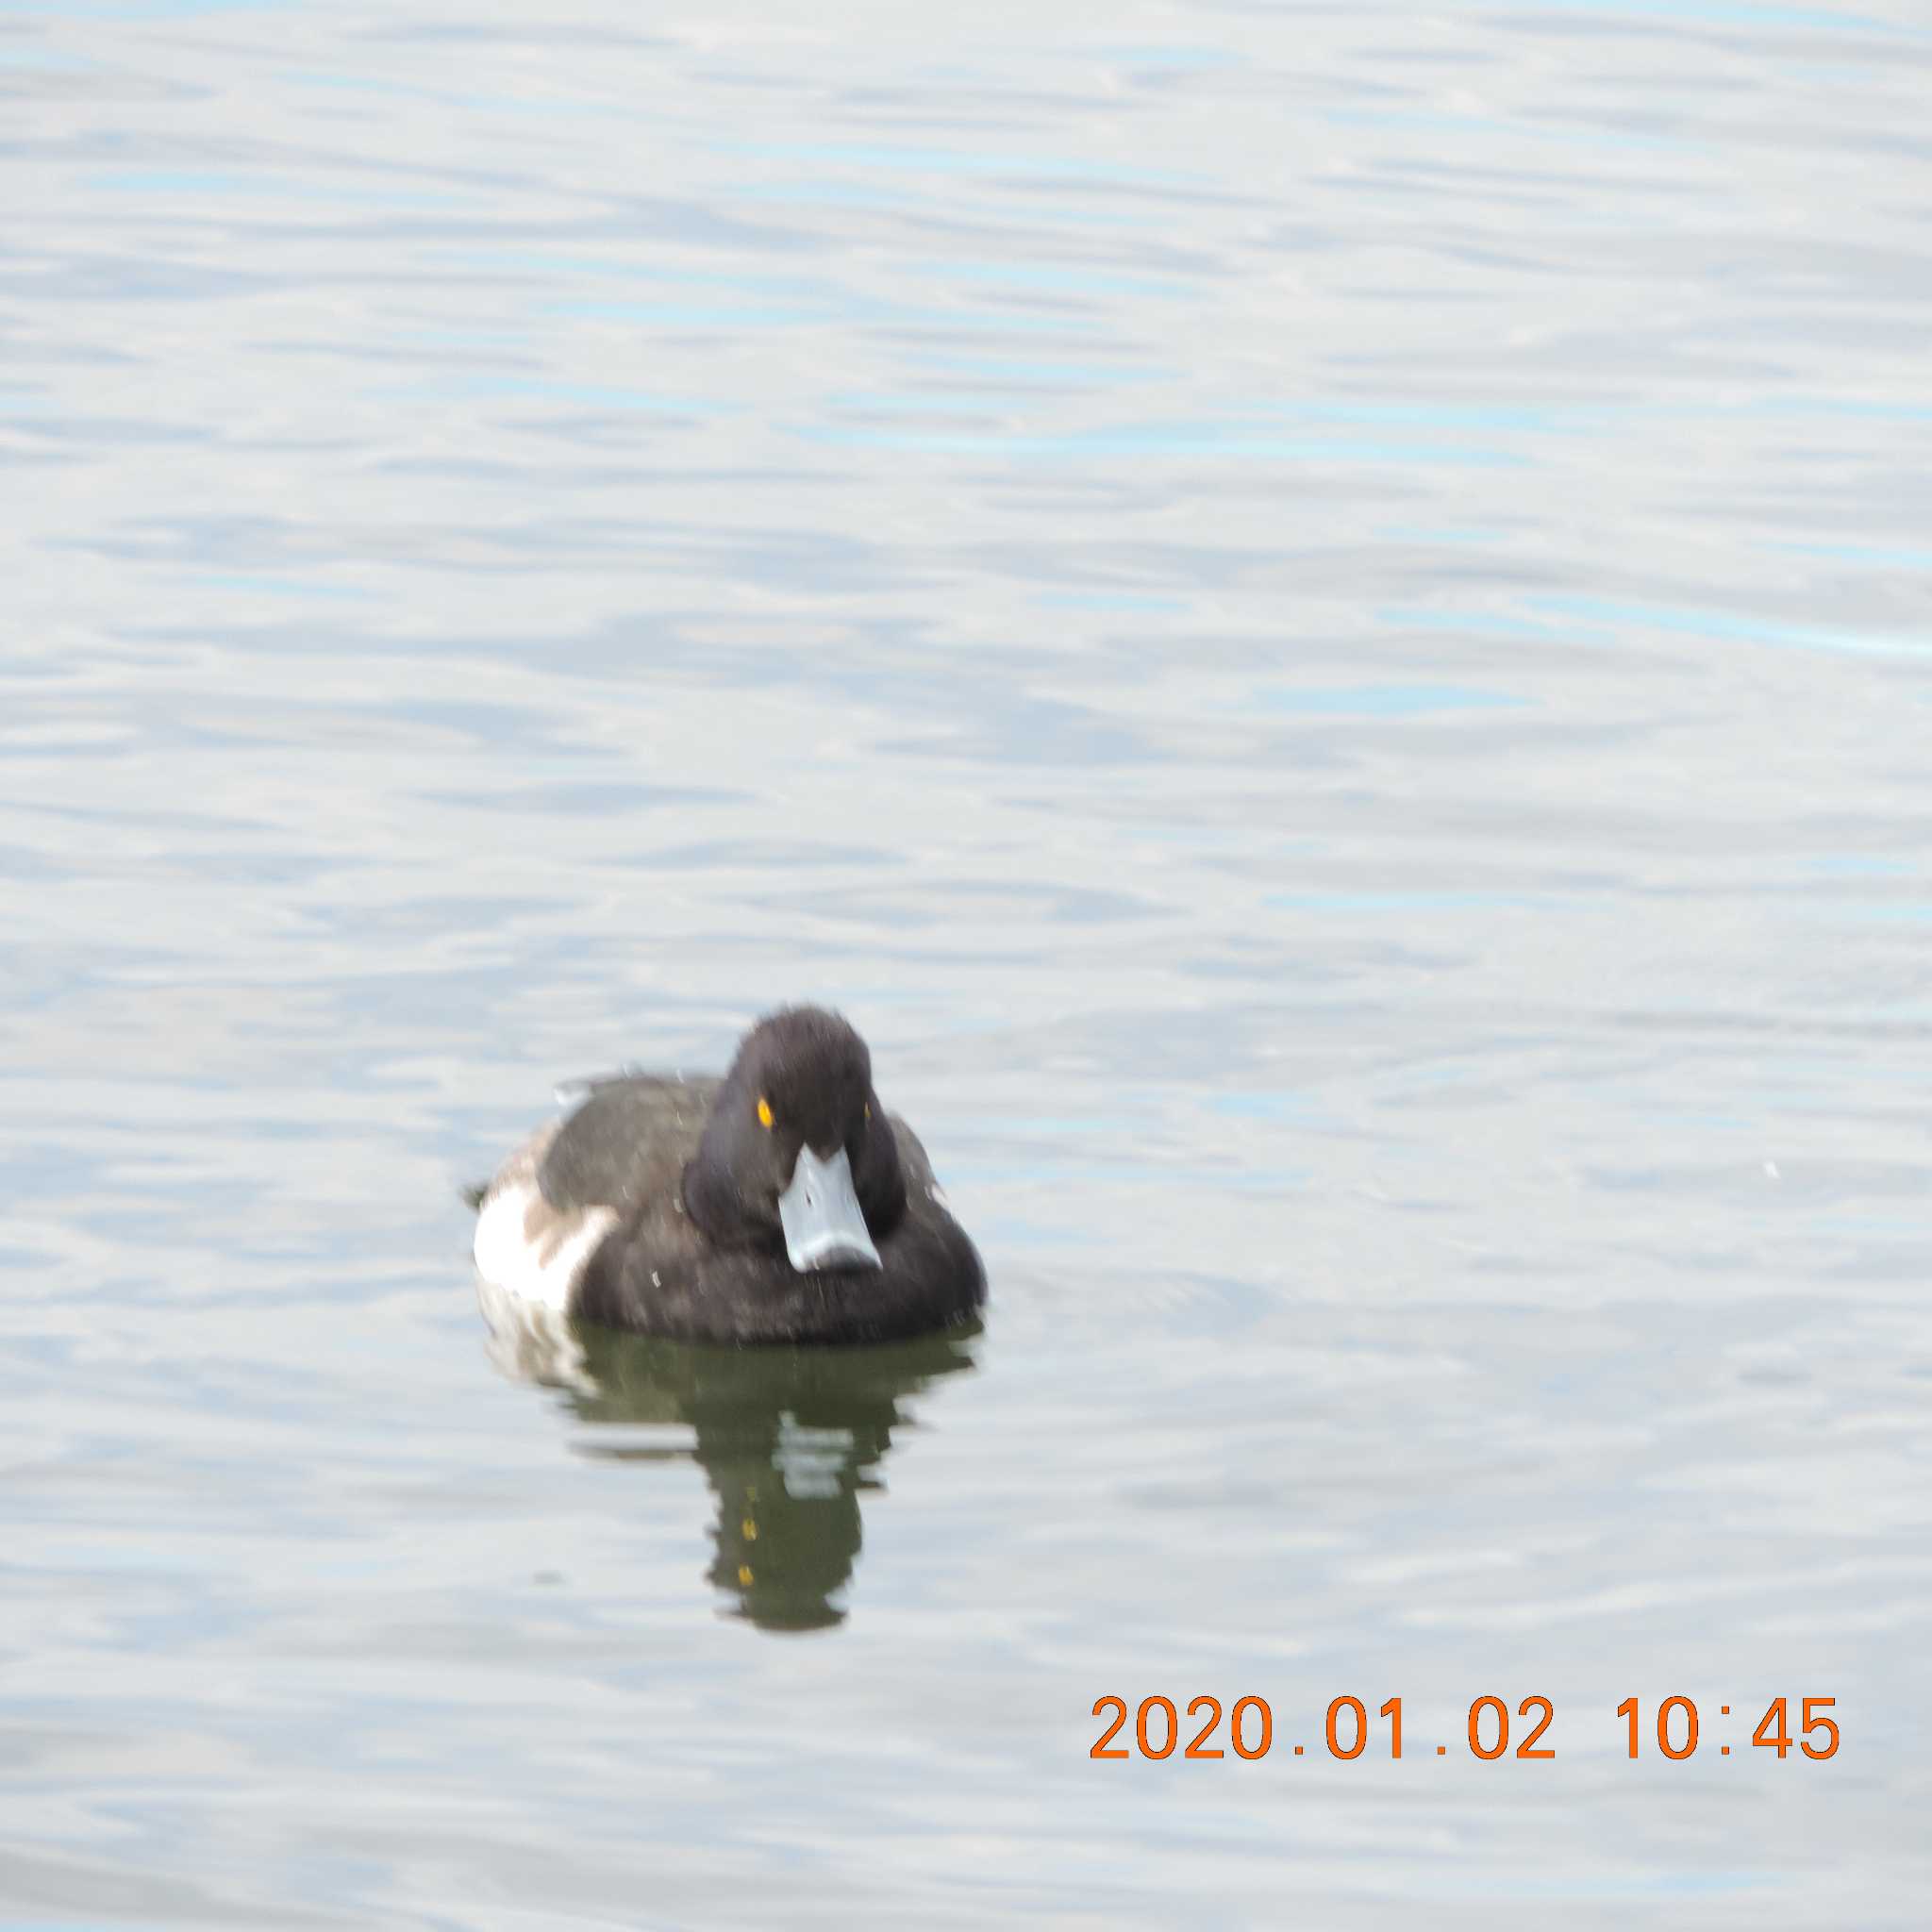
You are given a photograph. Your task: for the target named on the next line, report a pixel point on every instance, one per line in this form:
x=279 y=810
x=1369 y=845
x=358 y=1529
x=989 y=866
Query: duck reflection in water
x=789 y=1440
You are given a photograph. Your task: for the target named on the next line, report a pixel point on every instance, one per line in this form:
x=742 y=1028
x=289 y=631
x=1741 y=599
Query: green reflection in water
x=787 y=1440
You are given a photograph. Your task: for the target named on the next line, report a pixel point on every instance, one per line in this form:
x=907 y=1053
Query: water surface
x=1318 y=618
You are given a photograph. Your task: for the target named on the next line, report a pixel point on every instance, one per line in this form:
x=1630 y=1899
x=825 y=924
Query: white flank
x=529 y=1252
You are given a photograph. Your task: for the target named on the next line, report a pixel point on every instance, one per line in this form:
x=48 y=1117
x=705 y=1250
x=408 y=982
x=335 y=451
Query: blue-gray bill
x=824 y=1227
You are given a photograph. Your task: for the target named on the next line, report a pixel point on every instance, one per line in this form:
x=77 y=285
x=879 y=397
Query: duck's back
x=548 y=1208
x=627 y=1143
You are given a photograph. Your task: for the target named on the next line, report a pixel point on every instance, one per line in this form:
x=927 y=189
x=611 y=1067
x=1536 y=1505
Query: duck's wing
x=627 y=1143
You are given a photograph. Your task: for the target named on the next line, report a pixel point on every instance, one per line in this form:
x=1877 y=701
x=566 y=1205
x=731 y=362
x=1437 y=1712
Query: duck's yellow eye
x=765 y=1111
x=868 y=1109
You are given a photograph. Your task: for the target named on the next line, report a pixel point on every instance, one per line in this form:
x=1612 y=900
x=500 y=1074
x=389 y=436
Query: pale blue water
x=1318 y=620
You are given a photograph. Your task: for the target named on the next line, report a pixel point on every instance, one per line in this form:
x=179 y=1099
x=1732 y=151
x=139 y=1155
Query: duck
x=778 y=1204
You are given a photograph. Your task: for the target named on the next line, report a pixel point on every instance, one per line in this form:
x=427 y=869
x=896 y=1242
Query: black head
x=802 y=1078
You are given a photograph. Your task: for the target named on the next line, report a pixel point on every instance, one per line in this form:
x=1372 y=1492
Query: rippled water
x=1316 y=618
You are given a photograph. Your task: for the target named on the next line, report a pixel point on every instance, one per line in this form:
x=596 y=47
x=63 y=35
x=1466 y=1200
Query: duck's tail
x=474 y=1194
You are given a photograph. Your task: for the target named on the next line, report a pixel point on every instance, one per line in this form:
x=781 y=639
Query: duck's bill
x=824 y=1227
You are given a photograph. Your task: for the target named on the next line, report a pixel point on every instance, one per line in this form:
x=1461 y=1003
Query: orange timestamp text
x=1158 y=1729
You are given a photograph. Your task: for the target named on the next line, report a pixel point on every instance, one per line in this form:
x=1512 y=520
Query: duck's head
x=797 y=1154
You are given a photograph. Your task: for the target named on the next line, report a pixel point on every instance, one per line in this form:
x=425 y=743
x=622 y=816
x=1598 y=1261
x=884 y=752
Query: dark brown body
x=658 y=1272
